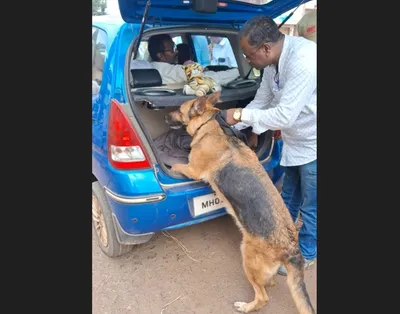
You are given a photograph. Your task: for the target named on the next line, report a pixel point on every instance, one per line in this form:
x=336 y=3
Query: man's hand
x=229 y=116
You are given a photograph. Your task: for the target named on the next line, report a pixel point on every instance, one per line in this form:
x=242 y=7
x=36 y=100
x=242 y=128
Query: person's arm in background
x=223 y=77
x=214 y=61
x=229 y=55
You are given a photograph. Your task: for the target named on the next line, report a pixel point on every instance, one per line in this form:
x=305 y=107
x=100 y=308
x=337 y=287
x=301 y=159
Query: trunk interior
x=151 y=100
x=153 y=120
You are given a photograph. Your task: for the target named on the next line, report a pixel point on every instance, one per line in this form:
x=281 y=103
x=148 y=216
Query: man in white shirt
x=163 y=52
x=286 y=101
x=222 y=53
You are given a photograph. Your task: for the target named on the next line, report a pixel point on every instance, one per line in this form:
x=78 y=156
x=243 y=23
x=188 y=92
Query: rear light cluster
x=125 y=150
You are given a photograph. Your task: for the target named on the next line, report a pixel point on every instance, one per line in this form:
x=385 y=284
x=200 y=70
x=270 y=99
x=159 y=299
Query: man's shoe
x=307 y=263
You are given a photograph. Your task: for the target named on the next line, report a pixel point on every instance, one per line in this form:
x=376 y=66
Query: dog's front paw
x=240 y=306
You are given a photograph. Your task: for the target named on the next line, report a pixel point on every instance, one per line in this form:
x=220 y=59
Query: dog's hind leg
x=297 y=286
x=254 y=269
x=270 y=274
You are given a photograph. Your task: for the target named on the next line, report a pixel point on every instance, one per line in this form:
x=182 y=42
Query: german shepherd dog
x=234 y=172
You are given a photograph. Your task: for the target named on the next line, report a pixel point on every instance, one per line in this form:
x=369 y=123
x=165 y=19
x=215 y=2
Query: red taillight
x=125 y=150
x=277 y=135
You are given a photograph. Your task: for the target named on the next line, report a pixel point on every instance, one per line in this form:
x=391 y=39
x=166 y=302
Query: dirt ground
x=156 y=273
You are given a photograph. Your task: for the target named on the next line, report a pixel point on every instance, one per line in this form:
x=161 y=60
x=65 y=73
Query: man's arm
x=300 y=85
x=223 y=77
x=261 y=100
x=170 y=73
x=214 y=61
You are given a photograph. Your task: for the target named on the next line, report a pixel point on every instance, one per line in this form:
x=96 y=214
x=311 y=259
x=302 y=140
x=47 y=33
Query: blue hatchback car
x=134 y=193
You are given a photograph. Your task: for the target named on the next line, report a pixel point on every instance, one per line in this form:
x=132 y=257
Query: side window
x=99 y=44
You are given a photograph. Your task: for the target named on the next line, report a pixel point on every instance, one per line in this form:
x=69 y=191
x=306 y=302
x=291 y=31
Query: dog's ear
x=198 y=107
x=214 y=97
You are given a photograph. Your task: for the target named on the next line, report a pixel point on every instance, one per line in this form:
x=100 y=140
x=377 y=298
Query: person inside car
x=164 y=55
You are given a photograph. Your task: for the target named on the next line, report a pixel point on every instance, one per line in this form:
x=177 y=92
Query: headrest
x=145 y=78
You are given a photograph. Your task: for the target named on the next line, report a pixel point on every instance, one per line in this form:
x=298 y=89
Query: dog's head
x=192 y=110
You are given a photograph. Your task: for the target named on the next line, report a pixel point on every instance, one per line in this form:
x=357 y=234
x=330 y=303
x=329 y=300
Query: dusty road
x=158 y=272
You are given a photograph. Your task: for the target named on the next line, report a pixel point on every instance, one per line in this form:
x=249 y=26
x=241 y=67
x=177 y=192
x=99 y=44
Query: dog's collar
x=204 y=123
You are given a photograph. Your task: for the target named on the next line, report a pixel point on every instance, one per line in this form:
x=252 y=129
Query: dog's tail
x=297 y=286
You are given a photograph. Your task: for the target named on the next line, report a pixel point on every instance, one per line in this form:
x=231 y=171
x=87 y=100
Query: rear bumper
x=135 y=200
x=138 y=217
x=143 y=216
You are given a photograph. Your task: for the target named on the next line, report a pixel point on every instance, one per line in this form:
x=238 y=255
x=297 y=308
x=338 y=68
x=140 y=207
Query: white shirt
x=222 y=54
x=174 y=73
x=291 y=107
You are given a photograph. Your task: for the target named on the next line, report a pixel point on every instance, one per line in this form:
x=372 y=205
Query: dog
x=269 y=236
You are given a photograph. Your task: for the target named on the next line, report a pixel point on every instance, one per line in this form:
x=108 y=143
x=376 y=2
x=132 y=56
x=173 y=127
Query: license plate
x=206 y=204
